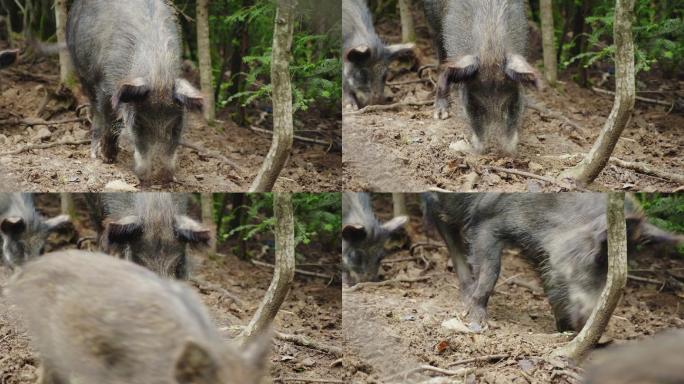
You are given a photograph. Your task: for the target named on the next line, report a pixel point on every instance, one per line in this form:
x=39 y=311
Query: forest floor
x=69 y=168
x=405 y=149
x=395 y=328
x=312 y=309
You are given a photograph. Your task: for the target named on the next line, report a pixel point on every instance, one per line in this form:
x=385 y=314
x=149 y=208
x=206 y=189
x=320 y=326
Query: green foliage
x=315 y=66
x=665 y=211
x=658 y=35
x=318 y=218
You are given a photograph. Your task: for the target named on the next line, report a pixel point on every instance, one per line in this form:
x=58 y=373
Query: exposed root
x=299 y=271
x=205 y=286
x=330 y=144
x=45 y=146
x=387 y=282
x=206 y=153
x=388 y=107
x=552 y=114
x=404 y=375
x=553 y=181
x=672 y=105
x=649 y=170
x=34 y=122
x=305 y=342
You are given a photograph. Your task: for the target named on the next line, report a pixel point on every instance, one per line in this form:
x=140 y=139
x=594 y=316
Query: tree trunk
x=204 y=54
x=616 y=280
x=283 y=129
x=67 y=205
x=207 y=205
x=66 y=68
x=283 y=274
x=591 y=166
x=399 y=204
x=548 y=44
x=408 y=31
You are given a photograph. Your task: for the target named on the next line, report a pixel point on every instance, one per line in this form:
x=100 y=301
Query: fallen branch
x=34 y=122
x=206 y=153
x=305 y=380
x=387 y=282
x=478 y=359
x=535 y=176
x=44 y=146
x=388 y=107
x=645 y=280
x=404 y=375
x=299 y=138
x=299 y=271
x=305 y=342
x=406 y=82
x=207 y=286
x=553 y=114
x=640 y=98
x=412 y=250
x=649 y=170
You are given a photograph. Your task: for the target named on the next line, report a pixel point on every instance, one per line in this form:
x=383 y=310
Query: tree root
x=360 y=286
x=648 y=170
x=206 y=286
x=299 y=271
x=206 y=153
x=45 y=146
x=305 y=342
x=34 y=122
x=388 y=107
x=426 y=367
x=330 y=144
x=552 y=114
x=553 y=181
x=673 y=105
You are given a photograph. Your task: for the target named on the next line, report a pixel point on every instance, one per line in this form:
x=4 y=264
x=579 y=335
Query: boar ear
x=354 y=233
x=518 y=69
x=395 y=223
x=195 y=365
x=131 y=91
x=123 y=230
x=61 y=223
x=13 y=226
x=187 y=95
x=256 y=350
x=190 y=231
x=461 y=69
x=397 y=51
x=358 y=55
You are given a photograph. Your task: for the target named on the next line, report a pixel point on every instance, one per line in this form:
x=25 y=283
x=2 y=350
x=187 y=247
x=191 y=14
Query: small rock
x=534 y=167
x=460 y=146
x=408 y=318
x=456 y=325
x=526 y=365
x=119 y=186
x=42 y=134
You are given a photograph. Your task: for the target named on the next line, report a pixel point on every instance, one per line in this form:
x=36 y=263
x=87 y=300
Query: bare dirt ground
x=392 y=329
x=312 y=309
x=69 y=168
x=407 y=150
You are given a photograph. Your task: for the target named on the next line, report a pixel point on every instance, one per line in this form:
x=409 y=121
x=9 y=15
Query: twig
x=306 y=380
x=387 y=282
x=645 y=280
x=534 y=176
x=387 y=107
x=207 y=286
x=406 y=82
x=300 y=138
x=44 y=146
x=555 y=115
x=304 y=342
x=206 y=153
x=649 y=170
x=640 y=98
x=412 y=250
x=478 y=359
x=426 y=367
x=34 y=122
x=299 y=271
